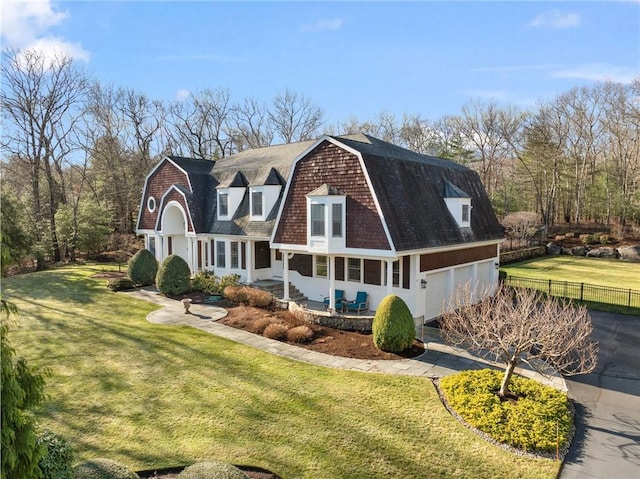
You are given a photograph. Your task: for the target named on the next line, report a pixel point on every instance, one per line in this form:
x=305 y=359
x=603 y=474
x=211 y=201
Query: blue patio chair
x=359 y=304
x=339 y=299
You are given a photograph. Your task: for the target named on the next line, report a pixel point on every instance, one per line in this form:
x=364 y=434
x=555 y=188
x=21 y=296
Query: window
x=151 y=204
x=465 y=213
x=354 y=270
x=336 y=220
x=221 y=256
x=223 y=204
x=256 y=203
x=321 y=266
x=235 y=256
x=317 y=219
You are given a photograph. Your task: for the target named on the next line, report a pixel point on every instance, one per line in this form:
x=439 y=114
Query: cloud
x=322 y=25
x=182 y=95
x=555 y=19
x=598 y=72
x=26 y=25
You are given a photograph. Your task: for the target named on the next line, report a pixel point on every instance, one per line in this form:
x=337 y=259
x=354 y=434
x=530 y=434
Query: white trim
x=163 y=207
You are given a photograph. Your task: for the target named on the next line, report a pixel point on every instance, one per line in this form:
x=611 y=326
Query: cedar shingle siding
x=332 y=165
x=178 y=198
x=158 y=183
x=445 y=259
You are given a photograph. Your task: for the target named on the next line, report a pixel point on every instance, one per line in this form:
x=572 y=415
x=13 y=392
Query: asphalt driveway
x=607 y=442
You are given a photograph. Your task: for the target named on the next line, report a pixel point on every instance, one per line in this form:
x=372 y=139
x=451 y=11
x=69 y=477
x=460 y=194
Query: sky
x=350 y=58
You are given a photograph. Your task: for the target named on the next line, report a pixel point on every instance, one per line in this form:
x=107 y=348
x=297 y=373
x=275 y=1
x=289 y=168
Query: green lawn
x=155 y=396
x=600 y=271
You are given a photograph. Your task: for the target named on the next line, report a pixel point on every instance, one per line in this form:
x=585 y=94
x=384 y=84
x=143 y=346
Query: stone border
x=342 y=321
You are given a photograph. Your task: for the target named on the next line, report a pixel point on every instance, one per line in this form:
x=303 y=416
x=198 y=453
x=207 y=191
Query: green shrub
x=102 y=469
x=212 y=470
x=143 y=268
x=209 y=283
x=588 y=239
x=533 y=420
x=174 y=276
x=120 y=284
x=57 y=461
x=393 y=328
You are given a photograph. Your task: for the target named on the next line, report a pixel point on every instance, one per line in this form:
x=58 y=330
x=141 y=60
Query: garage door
x=436 y=292
x=485 y=271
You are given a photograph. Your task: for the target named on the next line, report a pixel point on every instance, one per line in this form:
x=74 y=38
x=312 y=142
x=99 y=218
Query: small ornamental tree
x=393 y=328
x=143 y=268
x=521 y=326
x=174 y=276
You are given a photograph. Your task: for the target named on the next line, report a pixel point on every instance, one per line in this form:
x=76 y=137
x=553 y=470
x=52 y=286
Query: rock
x=578 y=251
x=553 y=248
x=560 y=237
x=604 y=252
x=630 y=253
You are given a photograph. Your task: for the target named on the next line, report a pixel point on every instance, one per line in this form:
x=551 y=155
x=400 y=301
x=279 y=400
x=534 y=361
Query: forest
x=75 y=151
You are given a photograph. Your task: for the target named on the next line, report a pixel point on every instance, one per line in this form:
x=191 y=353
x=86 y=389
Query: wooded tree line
x=75 y=151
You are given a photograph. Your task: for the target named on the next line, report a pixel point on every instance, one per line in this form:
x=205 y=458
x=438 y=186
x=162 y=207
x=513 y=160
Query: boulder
x=630 y=253
x=553 y=248
x=604 y=252
x=578 y=251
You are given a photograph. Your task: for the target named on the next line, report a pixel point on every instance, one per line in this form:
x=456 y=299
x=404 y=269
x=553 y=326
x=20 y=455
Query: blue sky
x=350 y=58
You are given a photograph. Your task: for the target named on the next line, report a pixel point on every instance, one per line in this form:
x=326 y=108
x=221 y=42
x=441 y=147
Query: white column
x=389 y=276
x=332 y=283
x=249 y=261
x=285 y=274
x=159 y=248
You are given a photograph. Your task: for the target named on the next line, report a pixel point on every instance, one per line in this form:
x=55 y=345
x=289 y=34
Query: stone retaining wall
x=343 y=322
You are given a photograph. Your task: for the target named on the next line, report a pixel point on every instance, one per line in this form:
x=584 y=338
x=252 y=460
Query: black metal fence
x=628 y=298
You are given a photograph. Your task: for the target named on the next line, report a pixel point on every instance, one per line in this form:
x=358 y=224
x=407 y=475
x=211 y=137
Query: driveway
x=607 y=442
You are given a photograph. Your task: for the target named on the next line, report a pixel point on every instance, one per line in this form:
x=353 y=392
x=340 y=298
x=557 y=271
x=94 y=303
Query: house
x=342 y=212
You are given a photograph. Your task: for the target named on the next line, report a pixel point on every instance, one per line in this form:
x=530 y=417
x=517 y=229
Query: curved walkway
x=438 y=360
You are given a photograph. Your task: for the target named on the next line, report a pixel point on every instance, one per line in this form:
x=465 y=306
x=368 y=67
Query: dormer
x=230 y=196
x=459 y=204
x=264 y=195
x=326 y=218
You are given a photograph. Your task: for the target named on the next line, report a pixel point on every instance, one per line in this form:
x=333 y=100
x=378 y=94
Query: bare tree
x=40 y=101
x=520 y=326
x=250 y=125
x=294 y=118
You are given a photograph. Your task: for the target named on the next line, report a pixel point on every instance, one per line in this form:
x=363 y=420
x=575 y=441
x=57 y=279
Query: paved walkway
x=439 y=359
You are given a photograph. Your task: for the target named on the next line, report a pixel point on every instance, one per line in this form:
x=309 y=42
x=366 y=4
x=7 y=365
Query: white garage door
x=462 y=275
x=436 y=294
x=485 y=271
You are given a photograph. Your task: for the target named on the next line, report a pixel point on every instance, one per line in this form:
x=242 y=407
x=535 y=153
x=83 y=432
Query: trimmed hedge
x=393 y=328
x=143 y=268
x=212 y=470
x=103 y=469
x=535 y=420
x=209 y=283
x=120 y=284
x=174 y=276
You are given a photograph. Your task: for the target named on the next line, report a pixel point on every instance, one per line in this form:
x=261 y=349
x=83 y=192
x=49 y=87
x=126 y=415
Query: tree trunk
x=506 y=379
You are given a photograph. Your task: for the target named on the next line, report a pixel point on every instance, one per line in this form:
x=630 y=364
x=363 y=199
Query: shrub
x=237 y=294
x=212 y=470
x=258 y=298
x=209 y=283
x=300 y=334
x=143 y=268
x=529 y=422
x=275 y=331
x=174 y=276
x=57 y=460
x=259 y=325
x=103 y=469
x=393 y=328
x=588 y=239
x=120 y=284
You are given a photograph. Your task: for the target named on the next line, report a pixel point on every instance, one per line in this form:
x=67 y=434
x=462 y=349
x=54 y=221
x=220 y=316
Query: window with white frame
x=354 y=270
x=235 y=255
x=465 y=213
x=220 y=254
x=223 y=204
x=336 y=220
x=256 y=203
x=317 y=219
x=395 y=273
x=322 y=266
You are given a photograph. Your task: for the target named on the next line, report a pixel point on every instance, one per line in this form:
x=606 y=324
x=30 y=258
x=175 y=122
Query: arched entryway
x=174 y=230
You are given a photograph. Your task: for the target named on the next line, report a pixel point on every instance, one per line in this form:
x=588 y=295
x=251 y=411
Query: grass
x=604 y=272
x=154 y=396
